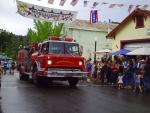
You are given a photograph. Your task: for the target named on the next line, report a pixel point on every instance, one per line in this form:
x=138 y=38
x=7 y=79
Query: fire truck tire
x=24 y=77
x=21 y=77
x=73 y=82
x=36 y=79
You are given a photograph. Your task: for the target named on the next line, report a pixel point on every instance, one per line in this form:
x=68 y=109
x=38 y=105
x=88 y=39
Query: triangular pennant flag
x=95 y=4
x=112 y=5
x=145 y=6
x=85 y=3
x=104 y=3
x=50 y=1
x=74 y=2
x=62 y=2
x=120 y=5
x=137 y=6
x=130 y=8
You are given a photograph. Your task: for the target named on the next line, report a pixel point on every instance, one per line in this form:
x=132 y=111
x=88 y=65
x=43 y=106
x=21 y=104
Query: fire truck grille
x=62 y=69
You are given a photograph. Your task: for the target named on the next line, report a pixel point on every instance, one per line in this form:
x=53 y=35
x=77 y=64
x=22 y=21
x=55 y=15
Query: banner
x=93 y=16
x=43 y=13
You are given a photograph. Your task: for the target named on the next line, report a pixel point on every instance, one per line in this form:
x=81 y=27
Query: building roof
x=129 y=17
x=86 y=25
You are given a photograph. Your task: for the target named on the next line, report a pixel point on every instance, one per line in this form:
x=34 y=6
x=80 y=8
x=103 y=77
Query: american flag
x=93 y=16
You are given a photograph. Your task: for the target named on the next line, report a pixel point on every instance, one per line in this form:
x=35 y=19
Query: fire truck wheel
x=21 y=77
x=36 y=80
x=73 y=82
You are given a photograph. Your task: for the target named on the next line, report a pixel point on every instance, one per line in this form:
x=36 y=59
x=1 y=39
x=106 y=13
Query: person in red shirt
x=114 y=75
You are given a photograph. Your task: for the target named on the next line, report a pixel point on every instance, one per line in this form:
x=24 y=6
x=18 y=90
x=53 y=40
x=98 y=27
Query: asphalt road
x=23 y=97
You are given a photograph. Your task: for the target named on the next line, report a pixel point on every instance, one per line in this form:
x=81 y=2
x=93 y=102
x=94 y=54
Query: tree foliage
x=9 y=43
x=43 y=29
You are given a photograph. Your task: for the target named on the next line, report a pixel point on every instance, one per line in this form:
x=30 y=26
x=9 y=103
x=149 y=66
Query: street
x=24 y=97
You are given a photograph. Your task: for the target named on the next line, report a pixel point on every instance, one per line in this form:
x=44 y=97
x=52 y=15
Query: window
x=71 y=48
x=63 y=48
x=44 y=48
x=139 y=21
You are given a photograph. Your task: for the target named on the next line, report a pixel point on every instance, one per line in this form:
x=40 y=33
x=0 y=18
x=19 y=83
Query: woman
x=146 y=77
x=130 y=74
x=114 y=75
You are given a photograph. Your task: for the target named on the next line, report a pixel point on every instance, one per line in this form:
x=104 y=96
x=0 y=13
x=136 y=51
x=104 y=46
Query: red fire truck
x=55 y=59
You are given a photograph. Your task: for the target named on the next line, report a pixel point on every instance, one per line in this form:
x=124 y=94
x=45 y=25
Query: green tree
x=9 y=43
x=43 y=29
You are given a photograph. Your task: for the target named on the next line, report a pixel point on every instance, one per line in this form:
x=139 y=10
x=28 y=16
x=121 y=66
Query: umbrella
x=103 y=51
x=140 y=51
x=120 y=52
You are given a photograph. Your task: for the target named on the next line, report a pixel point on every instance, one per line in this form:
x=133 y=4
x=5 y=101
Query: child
x=138 y=81
x=120 y=81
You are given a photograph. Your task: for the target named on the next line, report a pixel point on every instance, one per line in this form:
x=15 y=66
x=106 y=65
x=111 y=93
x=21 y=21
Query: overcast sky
x=13 y=22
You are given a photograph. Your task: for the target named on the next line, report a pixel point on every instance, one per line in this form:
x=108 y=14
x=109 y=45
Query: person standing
x=1 y=73
x=138 y=81
x=89 y=67
x=114 y=74
x=146 y=77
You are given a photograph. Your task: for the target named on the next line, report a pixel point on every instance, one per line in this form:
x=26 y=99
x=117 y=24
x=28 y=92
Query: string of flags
x=110 y=5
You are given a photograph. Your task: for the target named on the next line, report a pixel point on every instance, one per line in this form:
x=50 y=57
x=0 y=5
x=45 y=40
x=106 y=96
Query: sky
x=11 y=21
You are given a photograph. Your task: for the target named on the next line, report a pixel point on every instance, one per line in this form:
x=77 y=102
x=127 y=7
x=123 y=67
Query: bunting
x=112 y=5
x=50 y=1
x=145 y=7
x=74 y=2
x=62 y=2
x=120 y=5
x=95 y=4
x=130 y=8
x=109 y=5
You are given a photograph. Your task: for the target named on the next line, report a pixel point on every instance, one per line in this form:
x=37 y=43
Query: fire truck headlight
x=49 y=62
x=80 y=63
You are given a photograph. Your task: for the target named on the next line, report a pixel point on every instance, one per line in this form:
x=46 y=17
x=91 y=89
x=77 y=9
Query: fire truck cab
x=58 y=60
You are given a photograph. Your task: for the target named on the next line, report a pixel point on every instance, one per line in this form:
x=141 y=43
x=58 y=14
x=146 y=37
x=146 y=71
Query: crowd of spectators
x=125 y=72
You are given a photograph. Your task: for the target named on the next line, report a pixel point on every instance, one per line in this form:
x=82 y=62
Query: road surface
x=24 y=97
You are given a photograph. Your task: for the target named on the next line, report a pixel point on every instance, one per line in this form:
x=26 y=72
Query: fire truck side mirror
x=81 y=50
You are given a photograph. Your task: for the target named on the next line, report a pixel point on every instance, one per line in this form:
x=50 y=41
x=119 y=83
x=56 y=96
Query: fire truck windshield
x=63 y=48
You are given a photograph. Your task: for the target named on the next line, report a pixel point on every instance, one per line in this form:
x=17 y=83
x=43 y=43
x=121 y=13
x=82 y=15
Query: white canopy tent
x=103 y=51
x=140 y=51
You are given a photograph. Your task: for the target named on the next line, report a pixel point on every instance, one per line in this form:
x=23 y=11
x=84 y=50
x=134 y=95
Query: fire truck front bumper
x=66 y=74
